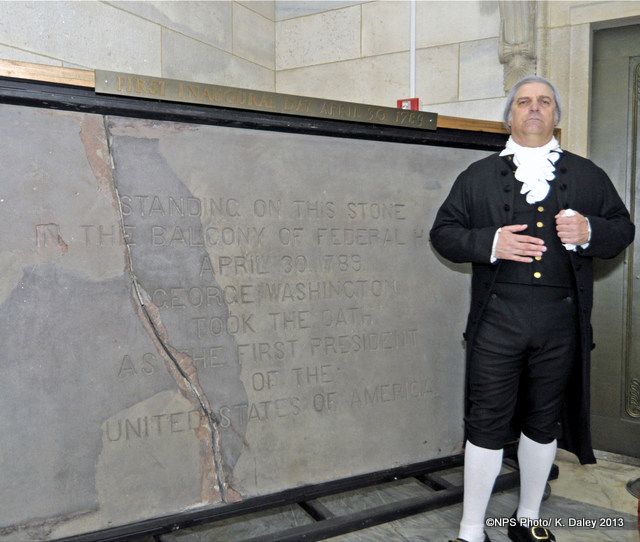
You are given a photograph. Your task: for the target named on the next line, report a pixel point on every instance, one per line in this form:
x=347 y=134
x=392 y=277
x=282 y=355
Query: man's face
x=533 y=115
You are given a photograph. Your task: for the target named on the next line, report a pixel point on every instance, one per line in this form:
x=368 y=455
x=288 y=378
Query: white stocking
x=535 y=462
x=481 y=468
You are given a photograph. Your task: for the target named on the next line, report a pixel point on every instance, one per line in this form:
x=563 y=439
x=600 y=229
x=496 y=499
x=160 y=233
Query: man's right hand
x=516 y=247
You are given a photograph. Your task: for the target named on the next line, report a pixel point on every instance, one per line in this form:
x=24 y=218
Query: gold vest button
x=539 y=224
x=537 y=274
x=540 y=209
x=538 y=258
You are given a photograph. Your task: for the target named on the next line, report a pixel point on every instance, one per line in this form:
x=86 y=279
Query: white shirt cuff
x=572 y=247
x=493 y=258
x=586 y=245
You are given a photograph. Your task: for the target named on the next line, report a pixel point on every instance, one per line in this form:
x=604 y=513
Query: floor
x=587 y=503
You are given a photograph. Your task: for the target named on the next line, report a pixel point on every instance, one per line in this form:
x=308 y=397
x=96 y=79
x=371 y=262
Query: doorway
x=614 y=146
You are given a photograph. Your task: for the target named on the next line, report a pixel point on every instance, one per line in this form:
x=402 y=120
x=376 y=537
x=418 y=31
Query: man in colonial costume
x=530 y=220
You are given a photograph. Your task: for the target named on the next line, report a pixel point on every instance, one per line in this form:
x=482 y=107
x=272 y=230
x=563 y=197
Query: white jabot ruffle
x=535 y=167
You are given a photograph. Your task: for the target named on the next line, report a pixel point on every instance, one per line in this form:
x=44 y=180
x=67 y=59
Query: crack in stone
x=152 y=318
x=41 y=528
x=184 y=365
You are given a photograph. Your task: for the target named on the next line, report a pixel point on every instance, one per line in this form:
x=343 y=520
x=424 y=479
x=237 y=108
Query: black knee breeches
x=522 y=355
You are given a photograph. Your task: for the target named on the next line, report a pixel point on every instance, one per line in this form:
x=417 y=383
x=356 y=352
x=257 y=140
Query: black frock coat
x=482 y=200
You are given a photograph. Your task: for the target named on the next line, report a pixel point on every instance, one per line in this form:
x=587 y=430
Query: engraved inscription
x=308 y=271
x=48 y=235
x=153 y=426
x=191 y=92
x=295 y=282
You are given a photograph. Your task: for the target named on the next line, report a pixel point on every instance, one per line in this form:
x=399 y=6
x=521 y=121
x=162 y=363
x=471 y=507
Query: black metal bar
x=434 y=481
x=316 y=510
x=66 y=97
x=380 y=514
x=193 y=518
x=511 y=462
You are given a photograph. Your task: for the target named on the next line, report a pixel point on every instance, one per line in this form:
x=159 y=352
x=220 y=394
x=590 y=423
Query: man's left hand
x=572 y=229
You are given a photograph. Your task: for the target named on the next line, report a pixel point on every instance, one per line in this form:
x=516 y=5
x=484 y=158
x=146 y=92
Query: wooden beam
x=496 y=127
x=86 y=78
x=49 y=74
x=460 y=123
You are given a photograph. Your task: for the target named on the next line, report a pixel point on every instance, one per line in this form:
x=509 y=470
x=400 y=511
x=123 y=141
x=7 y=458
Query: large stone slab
x=275 y=318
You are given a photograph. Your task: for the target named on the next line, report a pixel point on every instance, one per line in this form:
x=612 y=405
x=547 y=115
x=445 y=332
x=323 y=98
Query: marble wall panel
x=437 y=76
x=565 y=13
x=559 y=13
x=440 y=23
x=191 y=60
x=490 y=109
x=576 y=134
x=598 y=12
x=386 y=27
x=12 y=53
x=559 y=63
x=481 y=74
x=253 y=36
x=210 y=22
x=74 y=65
x=86 y=33
x=266 y=8
x=329 y=36
x=289 y=9
x=351 y=80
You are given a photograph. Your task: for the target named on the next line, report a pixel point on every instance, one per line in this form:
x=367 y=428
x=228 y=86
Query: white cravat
x=535 y=167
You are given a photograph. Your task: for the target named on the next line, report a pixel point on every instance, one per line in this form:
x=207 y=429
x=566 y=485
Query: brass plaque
x=172 y=90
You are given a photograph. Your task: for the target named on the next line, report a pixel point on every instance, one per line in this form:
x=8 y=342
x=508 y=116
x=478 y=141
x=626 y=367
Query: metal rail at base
x=326 y=524
x=334 y=526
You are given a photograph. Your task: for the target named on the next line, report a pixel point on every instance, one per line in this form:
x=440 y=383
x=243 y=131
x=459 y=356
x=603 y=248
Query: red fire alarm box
x=409 y=103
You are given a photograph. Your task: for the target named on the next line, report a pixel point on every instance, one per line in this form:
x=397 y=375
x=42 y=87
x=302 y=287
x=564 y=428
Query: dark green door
x=614 y=145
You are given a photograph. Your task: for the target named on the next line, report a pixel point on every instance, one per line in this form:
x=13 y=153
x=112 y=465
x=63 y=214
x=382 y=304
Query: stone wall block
x=559 y=13
x=253 y=36
x=291 y=9
x=376 y=80
x=205 y=21
x=559 y=61
x=85 y=33
x=385 y=27
x=74 y=65
x=576 y=134
x=11 y=53
x=184 y=58
x=437 y=74
x=439 y=23
x=317 y=39
x=266 y=8
x=490 y=109
x=481 y=74
x=589 y=12
x=572 y=12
